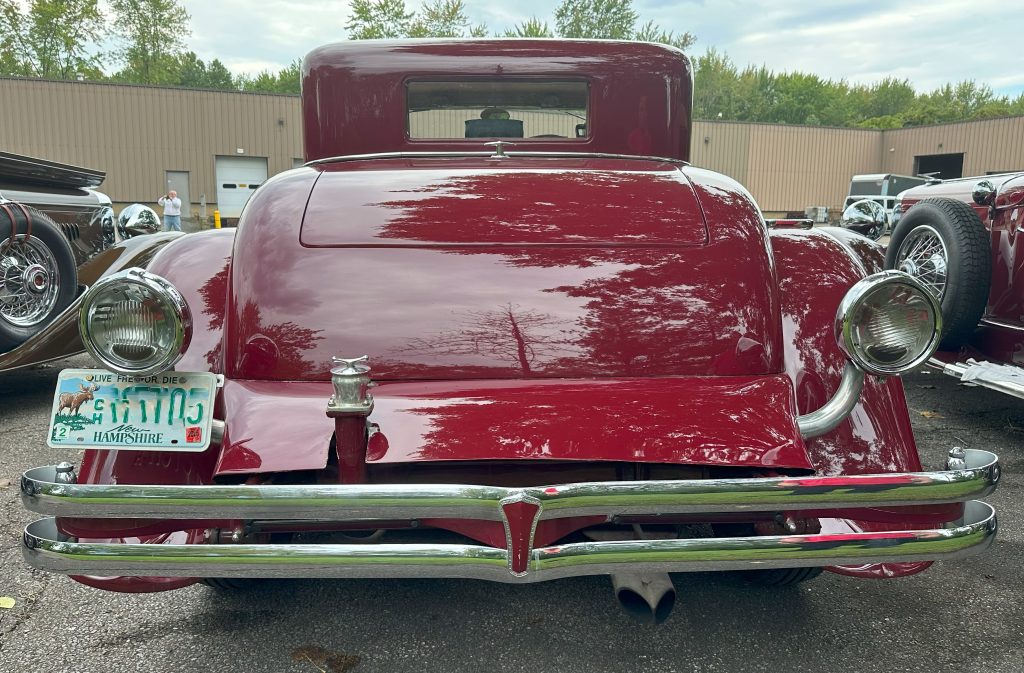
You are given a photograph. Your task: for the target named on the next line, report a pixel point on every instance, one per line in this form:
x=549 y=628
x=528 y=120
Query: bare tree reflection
x=514 y=335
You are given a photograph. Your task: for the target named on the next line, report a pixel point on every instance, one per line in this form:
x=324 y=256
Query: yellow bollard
x=216 y=219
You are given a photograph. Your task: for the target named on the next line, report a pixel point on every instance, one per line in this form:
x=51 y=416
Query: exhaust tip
x=647 y=598
x=637 y=607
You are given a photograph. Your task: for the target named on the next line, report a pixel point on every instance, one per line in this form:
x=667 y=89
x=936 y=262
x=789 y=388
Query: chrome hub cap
x=29 y=281
x=923 y=255
x=35 y=279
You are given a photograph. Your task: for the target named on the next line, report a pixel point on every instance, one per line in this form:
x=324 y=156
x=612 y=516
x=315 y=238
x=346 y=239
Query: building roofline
x=130 y=85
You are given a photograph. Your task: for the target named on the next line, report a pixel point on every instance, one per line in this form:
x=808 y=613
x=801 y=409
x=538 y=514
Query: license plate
x=97 y=409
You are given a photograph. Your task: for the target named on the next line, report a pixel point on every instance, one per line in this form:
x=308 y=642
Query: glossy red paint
x=499 y=202
x=197 y=266
x=353 y=93
x=566 y=303
x=815 y=272
x=726 y=421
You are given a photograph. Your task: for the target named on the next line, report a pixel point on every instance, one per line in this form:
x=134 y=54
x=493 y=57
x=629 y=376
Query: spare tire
x=38 y=276
x=943 y=243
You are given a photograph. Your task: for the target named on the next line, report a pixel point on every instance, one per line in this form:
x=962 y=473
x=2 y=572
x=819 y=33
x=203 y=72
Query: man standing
x=172 y=210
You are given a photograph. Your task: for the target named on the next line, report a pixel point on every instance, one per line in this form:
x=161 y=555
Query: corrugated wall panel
x=722 y=147
x=793 y=167
x=987 y=145
x=137 y=133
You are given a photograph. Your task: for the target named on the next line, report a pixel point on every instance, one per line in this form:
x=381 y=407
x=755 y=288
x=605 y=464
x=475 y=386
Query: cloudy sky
x=929 y=42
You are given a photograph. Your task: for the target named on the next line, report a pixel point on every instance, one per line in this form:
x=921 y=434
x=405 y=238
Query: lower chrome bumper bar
x=45 y=549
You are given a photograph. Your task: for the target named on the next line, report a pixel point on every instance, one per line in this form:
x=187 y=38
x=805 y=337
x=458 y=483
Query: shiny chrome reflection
x=43 y=493
x=137 y=220
x=45 y=548
x=29 y=280
x=984 y=193
x=833 y=412
x=866 y=217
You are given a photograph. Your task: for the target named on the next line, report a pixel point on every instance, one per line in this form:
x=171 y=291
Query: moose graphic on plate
x=95 y=408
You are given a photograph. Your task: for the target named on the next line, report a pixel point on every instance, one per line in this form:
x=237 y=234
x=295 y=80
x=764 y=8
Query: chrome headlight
x=135 y=323
x=888 y=323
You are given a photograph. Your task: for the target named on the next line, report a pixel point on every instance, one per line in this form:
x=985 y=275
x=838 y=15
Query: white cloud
x=929 y=42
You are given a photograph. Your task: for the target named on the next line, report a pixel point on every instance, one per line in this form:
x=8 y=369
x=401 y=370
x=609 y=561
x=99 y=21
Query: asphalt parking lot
x=959 y=616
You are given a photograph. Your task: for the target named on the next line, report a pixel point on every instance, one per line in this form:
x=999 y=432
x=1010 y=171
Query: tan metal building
x=218 y=146
x=149 y=139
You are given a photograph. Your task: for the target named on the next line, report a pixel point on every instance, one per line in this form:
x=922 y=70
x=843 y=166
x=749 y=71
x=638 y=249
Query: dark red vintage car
x=962 y=239
x=497 y=327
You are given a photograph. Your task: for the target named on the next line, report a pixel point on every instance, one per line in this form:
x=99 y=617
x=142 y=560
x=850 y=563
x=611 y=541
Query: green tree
x=287 y=80
x=649 y=32
x=49 y=38
x=153 y=36
x=613 y=20
x=194 y=73
x=610 y=19
x=444 y=18
x=532 y=27
x=715 y=85
x=377 y=19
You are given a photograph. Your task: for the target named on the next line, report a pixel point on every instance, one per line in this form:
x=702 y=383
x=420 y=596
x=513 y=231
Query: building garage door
x=237 y=178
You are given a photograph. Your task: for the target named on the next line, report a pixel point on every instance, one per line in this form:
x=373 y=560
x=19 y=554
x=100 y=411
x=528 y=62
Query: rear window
x=497 y=109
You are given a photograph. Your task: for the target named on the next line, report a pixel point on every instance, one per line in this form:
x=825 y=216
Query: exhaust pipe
x=648 y=597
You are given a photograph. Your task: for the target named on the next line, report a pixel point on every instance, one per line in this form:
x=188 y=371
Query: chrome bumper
x=972 y=474
x=44 y=550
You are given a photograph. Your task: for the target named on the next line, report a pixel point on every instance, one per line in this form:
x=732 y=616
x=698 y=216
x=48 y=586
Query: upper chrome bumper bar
x=975 y=475
x=44 y=548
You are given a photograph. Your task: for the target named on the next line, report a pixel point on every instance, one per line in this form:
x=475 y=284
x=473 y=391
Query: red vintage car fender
x=816 y=268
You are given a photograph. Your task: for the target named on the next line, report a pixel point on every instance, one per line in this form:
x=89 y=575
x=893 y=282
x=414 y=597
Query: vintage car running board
x=46 y=549
x=1002 y=378
x=971 y=474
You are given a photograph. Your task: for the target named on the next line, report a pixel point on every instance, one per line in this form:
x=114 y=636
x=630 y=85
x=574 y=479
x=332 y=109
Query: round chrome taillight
x=135 y=322
x=888 y=323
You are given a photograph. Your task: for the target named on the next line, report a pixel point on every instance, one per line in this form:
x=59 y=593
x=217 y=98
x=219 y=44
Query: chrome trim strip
x=490 y=155
x=42 y=493
x=1002 y=324
x=958 y=369
x=835 y=411
x=45 y=549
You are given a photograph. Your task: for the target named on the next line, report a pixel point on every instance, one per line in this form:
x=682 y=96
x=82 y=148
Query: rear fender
x=815 y=269
x=198 y=266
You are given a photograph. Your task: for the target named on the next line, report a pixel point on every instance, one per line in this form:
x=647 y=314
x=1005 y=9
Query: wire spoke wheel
x=923 y=255
x=29 y=281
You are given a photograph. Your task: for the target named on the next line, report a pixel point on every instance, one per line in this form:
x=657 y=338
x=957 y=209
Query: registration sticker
x=97 y=409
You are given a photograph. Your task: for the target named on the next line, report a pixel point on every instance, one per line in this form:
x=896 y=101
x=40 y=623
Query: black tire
x=779 y=577
x=231 y=583
x=43 y=231
x=968 y=262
